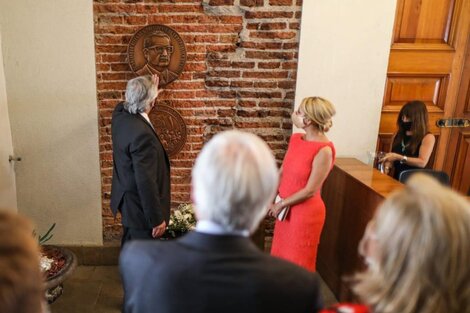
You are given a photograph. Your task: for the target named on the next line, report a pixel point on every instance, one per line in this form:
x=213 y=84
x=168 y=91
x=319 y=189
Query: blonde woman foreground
x=308 y=161
x=418 y=252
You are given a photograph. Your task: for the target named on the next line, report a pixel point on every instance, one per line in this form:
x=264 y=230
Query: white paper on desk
x=283 y=214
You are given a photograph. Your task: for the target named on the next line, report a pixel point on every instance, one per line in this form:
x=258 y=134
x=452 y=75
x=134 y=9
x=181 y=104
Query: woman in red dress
x=306 y=165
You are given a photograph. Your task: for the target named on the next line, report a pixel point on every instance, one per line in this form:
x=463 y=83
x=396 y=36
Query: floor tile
x=78 y=296
x=83 y=273
x=98 y=289
x=110 y=298
x=107 y=274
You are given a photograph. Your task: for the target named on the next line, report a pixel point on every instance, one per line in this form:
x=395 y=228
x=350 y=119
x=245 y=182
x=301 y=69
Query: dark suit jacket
x=141 y=172
x=202 y=273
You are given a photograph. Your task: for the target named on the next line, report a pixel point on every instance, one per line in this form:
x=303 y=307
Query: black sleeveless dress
x=403 y=149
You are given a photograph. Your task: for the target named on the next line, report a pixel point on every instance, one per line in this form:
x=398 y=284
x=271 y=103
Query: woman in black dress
x=412 y=144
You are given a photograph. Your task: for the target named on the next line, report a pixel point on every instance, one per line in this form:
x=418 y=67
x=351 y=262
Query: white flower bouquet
x=182 y=220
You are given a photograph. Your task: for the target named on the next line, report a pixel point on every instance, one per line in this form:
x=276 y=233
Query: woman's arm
x=271 y=201
x=388 y=164
x=321 y=167
x=425 y=151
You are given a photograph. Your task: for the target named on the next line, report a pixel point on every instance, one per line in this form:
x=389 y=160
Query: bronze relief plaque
x=157 y=49
x=170 y=127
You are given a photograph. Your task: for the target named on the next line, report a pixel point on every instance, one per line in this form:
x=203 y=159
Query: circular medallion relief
x=157 y=49
x=170 y=127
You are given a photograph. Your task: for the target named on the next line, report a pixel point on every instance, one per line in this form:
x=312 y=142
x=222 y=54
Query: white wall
x=48 y=50
x=7 y=174
x=344 y=50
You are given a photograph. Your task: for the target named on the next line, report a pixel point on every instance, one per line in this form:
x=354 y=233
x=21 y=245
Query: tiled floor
x=97 y=289
x=91 y=289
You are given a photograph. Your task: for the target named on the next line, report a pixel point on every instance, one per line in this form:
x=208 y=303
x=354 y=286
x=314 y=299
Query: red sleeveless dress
x=296 y=238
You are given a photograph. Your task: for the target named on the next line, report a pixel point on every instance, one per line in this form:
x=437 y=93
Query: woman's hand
x=274 y=209
x=391 y=157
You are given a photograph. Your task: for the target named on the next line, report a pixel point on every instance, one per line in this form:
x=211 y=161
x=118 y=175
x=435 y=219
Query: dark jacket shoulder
x=212 y=271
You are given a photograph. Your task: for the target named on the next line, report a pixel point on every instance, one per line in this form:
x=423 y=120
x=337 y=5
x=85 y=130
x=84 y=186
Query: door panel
x=423 y=21
x=431 y=89
x=461 y=170
x=423 y=61
x=7 y=170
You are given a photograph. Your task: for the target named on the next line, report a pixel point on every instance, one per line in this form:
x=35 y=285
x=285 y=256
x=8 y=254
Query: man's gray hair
x=140 y=93
x=234 y=178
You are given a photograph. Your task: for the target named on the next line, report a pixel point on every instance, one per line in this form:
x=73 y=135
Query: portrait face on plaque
x=157 y=49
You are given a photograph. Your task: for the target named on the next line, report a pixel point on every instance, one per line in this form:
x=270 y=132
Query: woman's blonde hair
x=423 y=236
x=319 y=111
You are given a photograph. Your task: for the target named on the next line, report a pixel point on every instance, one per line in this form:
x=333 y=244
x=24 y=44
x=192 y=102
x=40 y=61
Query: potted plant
x=56 y=263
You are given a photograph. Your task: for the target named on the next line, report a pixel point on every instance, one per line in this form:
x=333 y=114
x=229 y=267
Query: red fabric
x=346 y=308
x=296 y=238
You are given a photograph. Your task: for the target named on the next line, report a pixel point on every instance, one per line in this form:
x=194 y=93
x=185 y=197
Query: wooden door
x=7 y=167
x=426 y=61
x=457 y=153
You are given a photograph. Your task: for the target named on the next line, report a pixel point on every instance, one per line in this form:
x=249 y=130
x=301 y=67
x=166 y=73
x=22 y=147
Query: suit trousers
x=129 y=234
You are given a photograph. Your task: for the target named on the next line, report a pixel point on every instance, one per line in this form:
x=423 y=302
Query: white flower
x=45 y=263
x=182 y=219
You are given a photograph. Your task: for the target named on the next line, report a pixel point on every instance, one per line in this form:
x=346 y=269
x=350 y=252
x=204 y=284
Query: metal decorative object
x=453 y=122
x=157 y=49
x=54 y=283
x=170 y=127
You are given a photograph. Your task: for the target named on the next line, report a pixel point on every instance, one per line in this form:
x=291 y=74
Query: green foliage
x=46 y=237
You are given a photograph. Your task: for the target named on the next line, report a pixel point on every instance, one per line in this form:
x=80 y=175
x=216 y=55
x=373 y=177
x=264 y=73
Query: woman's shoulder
x=428 y=140
x=325 y=154
x=429 y=136
x=326 y=147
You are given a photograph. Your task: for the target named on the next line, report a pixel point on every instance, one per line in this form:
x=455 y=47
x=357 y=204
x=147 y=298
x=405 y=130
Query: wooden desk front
x=351 y=193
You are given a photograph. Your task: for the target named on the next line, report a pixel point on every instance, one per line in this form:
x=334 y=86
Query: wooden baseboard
x=109 y=253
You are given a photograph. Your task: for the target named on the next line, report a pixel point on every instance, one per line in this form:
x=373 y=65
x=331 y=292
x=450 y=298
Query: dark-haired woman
x=412 y=145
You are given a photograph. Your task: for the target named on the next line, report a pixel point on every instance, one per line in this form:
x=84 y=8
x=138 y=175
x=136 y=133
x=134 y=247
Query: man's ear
x=146 y=53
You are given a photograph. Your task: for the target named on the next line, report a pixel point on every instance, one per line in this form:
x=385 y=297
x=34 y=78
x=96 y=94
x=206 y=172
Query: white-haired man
x=217 y=268
x=141 y=171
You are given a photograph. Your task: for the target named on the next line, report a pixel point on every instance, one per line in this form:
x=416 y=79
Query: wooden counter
x=351 y=193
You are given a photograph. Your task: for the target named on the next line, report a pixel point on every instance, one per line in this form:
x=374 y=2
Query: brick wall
x=240 y=73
